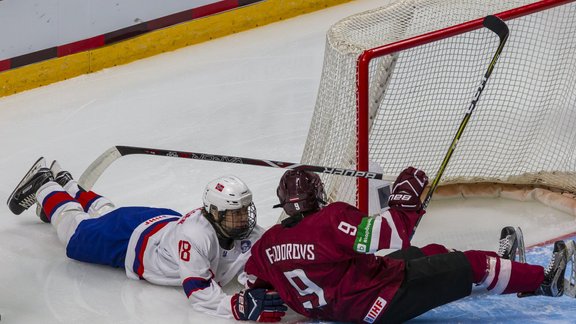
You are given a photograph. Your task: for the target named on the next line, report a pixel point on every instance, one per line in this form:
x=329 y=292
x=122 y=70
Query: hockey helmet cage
x=300 y=191
x=228 y=203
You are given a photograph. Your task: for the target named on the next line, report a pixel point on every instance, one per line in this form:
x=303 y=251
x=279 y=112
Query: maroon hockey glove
x=407 y=189
x=261 y=305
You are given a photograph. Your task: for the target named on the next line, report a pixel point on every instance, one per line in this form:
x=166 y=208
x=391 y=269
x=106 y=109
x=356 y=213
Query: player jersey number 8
x=312 y=296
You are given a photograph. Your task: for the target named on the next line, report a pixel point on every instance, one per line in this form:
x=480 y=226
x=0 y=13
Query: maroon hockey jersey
x=323 y=267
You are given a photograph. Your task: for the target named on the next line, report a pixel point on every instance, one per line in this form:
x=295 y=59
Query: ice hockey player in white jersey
x=200 y=251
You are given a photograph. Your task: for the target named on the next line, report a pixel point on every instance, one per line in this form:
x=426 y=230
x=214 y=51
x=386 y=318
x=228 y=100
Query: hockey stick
x=499 y=27
x=96 y=168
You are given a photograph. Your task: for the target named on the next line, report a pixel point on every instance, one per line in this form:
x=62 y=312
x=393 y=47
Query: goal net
x=429 y=57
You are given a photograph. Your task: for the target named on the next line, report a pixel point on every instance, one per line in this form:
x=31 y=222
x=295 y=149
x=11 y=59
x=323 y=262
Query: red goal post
x=439 y=59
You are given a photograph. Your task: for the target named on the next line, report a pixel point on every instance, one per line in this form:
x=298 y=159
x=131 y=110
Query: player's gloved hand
x=407 y=189
x=261 y=305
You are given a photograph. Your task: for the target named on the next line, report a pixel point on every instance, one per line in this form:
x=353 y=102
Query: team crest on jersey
x=375 y=310
x=245 y=246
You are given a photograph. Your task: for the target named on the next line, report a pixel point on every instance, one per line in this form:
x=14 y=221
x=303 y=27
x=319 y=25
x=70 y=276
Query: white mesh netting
x=522 y=131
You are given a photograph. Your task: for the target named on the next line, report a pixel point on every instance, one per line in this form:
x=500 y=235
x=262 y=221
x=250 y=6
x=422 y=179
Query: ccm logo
x=398 y=197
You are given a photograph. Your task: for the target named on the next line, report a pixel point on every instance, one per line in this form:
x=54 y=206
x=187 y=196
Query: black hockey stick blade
x=498 y=26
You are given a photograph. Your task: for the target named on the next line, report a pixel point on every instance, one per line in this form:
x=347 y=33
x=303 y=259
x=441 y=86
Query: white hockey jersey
x=170 y=250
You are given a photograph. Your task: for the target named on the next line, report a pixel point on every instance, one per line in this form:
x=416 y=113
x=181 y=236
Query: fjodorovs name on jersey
x=290 y=251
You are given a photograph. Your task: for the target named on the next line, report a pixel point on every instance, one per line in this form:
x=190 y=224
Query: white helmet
x=227 y=194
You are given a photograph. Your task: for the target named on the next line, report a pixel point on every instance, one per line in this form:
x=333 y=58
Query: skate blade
x=521 y=252
x=40 y=163
x=570 y=282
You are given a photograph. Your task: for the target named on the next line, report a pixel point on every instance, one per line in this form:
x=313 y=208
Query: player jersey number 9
x=311 y=296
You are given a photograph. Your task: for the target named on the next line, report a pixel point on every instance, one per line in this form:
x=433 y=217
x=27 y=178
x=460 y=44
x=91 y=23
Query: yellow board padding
x=156 y=42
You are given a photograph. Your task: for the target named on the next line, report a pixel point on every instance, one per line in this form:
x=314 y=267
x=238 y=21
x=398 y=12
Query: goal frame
x=362 y=79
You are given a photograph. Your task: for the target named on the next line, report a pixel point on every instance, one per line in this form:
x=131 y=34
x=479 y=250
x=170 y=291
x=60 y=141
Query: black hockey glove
x=261 y=305
x=407 y=189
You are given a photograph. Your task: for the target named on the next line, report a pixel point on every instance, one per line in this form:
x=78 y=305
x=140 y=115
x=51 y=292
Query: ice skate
x=553 y=284
x=508 y=243
x=60 y=176
x=24 y=195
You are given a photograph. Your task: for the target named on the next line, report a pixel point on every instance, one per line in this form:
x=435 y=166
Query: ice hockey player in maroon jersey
x=320 y=259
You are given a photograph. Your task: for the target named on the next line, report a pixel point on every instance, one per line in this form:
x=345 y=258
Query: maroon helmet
x=300 y=192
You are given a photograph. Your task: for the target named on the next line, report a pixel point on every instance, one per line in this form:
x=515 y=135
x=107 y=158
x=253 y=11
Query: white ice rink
x=251 y=94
